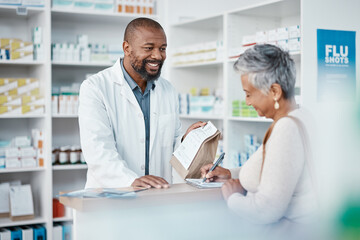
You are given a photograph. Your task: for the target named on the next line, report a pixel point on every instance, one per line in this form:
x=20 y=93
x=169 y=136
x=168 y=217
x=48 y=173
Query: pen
x=218 y=161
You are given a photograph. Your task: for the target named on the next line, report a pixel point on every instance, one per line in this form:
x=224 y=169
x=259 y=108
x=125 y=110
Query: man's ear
x=276 y=91
x=126 y=48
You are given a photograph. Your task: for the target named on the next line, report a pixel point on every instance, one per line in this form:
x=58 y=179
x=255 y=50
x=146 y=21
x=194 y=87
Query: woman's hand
x=219 y=174
x=232 y=186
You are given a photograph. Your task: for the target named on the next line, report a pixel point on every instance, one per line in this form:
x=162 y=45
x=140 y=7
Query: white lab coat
x=112 y=129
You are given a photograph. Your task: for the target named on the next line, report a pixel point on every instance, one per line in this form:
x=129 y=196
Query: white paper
x=200 y=184
x=186 y=152
x=21 y=201
x=4 y=197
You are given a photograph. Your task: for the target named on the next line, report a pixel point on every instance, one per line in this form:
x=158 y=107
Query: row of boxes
x=19 y=96
x=14 y=49
x=145 y=7
x=24 y=3
x=20 y=152
x=199 y=105
x=241 y=109
x=83 y=51
x=202 y=52
x=238 y=159
x=287 y=38
x=63 y=231
x=65 y=100
x=34 y=232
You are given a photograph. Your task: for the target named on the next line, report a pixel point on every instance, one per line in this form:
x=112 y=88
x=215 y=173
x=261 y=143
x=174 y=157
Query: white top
x=112 y=129
x=285 y=192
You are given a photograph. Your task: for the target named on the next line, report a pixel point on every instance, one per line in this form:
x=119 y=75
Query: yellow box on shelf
x=24 y=89
x=21 y=110
x=22 y=100
x=24 y=55
x=7 y=84
x=18 y=45
x=5 y=42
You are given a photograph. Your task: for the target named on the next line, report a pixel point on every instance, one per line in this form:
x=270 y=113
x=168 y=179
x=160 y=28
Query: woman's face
x=263 y=104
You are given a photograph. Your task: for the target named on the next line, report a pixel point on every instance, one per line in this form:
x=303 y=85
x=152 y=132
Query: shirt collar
x=133 y=85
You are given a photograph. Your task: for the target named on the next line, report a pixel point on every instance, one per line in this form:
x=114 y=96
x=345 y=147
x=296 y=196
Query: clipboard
x=205 y=155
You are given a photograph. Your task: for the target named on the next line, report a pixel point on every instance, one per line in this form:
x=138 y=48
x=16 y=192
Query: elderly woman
x=275 y=184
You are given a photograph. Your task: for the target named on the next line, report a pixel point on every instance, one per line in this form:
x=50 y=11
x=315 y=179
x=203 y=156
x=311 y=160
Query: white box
x=283 y=44
x=12 y=152
x=282 y=33
x=294 y=44
x=21 y=201
x=55 y=104
x=28 y=162
x=2 y=162
x=27 y=152
x=272 y=35
x=57 y=232
x=33 y=3
x=12 y=163
x=12 y=2
x=5 y=234
x=21 y=141
x=261 y=37
x=294 y=31
x=27 y=233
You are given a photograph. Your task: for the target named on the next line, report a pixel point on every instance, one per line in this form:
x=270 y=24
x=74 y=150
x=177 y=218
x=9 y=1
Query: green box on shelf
x=245 y=112
x=236 y=104
x=236 y=112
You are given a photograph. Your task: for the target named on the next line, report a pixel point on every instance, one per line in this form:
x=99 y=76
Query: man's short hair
x=137 y=23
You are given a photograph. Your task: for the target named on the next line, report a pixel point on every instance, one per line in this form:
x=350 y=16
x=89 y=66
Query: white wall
x=338 y=126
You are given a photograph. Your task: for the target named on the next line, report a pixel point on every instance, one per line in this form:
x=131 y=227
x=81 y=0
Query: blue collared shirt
x=144 y=101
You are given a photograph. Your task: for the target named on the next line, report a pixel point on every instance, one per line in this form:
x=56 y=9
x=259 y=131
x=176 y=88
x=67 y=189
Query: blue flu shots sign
x=336 y=65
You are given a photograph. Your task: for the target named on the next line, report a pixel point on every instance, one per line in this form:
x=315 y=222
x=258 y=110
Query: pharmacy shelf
x=7 y=222
x=19 y=170
x=88 y=15
x=295 y=55
x=83 y=64
x=21 y=62
x=9 y=11
x=62 y=219
x=65 y=116
x=250 y=119
x=69 y=167
x=200 y=64
x=204 y=116
x=25 y=116
x=209 y=22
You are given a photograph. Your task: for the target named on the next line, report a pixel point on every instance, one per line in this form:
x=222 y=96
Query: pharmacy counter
x=180 y=212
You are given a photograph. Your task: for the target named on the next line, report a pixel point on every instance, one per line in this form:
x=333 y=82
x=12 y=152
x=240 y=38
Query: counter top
x=176 y=194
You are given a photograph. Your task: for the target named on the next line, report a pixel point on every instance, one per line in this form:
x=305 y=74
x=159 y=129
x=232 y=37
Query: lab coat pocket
x=166 y=129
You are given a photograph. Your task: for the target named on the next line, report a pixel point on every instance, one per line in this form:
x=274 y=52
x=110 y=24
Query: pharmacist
x=128 y=115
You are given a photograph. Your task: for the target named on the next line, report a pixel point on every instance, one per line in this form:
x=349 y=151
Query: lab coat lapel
x=125 y=89
x=154 y=112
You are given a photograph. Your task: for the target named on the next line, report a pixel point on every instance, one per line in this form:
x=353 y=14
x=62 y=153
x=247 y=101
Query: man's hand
x=149 y=181
x=232 y=186
x=192 y=127
x=219 y=174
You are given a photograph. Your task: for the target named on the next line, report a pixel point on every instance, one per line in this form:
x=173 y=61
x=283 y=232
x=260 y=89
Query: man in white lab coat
x=128 y=115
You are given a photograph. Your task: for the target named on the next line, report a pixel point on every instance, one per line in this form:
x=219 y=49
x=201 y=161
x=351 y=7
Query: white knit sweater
x=285 y=192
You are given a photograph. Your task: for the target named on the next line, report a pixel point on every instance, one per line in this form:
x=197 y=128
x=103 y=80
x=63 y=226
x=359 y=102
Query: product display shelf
x=62 y=219
x=199 y=64
x=294 y=55
x=21 y=62
x=9 y=10
x=18 y=170
x=7 y=222
x=250 y=119
x=69 y=167
x=23 y=116
x=76 y=14
x=64 y=115
x=203 y=116
x=83 y=64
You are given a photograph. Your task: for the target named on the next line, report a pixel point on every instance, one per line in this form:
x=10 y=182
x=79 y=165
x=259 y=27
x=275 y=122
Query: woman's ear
x=276 y=91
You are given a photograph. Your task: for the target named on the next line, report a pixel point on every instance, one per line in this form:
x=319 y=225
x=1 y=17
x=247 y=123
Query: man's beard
x=145 y=74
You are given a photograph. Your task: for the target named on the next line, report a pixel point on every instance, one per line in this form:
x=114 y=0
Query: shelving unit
x=58 y=26
x=229 y=27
